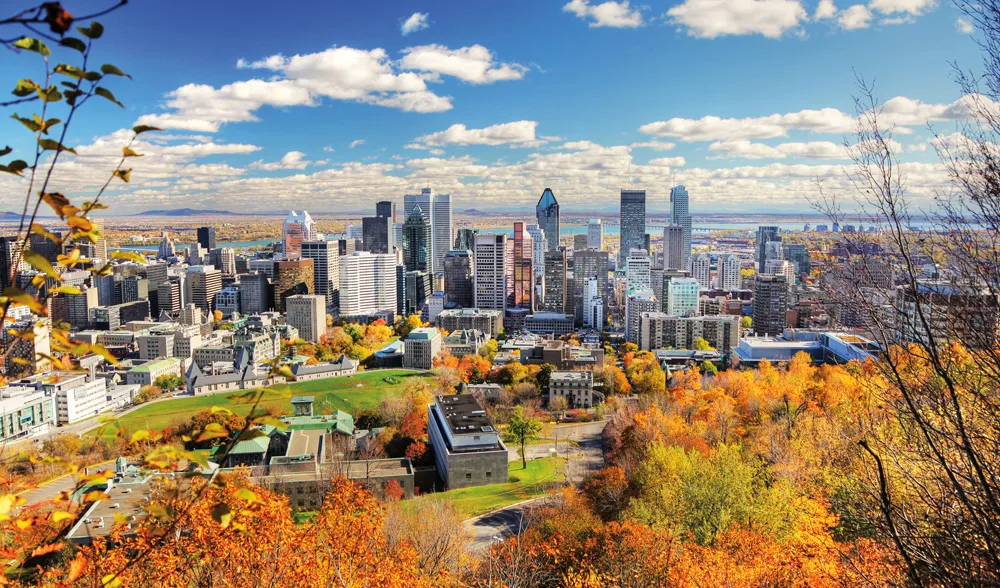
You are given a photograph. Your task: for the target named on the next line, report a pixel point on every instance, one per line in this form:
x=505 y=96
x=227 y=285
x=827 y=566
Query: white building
x=636 y=303
x=442 y=230
x=76 y=398
x=701 y=270
x=637 y=271
x=227 y=301
x=435 y=305
x=421 y=347
x=780 y=267
x=728 y=277
x=367 y=283
x=226 y=257
x=658 y=330
x=593 y=304
x=491 y=272
x=682 y=296
x=298 y=228
x=307 y=313
x=326 y=267
x=539 y=247
x=577 y=387
x=155 y=345
x=595 y=234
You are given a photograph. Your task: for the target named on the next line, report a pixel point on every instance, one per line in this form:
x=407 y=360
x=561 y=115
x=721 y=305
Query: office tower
x=264 y=266
x=636 y=303
x=44 y=246
x=367 y=283
x=10 y=250
x=491 y=271
x=156 y=273
x=326 y=267
x=682 y=296
x=780 y=267
x=130 y=289
x=418 y=288
x=349 y=246
x=100 y=247
x=255 y=293
x=401 y=289
x=417 y=242
x=206 y=238
x=227 y=301
x=765 y=235
x=397 y=235
x=437 y=208
x=673 y=247
x=356 y=232
x=589 y=263
x=580 y=242
x=555 y=291
x=203 y=282
x=75 y=309
x=701 y=270
x=105 y=289
x=224 y=259
x=770 y=301
x=728 y=277
x=298 y=228
x=377 y=234
x=521 y=278
x=307 y=313
x=386 y=209
x=593 y=304
x=539 y=247
x=197 y=255
x=547 y=214
x=632 y=222
x=799 y=256
x=292 y=277
x=637 y=271
x=459 y=277
x=166 y=249
x=680 y=215
x=168 y=296
x=595 y=234
x=466 y=239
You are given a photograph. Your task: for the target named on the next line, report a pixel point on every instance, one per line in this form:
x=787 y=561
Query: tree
x=746 y=322
x=709 y=367
x=520 y=430
x=434 y=529
x=701 y=344
x=217 y=316
x=169 y=382
x=558 y=404
x=489 y=350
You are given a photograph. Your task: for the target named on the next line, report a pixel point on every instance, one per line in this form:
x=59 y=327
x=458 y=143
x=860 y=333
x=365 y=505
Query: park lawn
x=523 y=484
x=348 y=393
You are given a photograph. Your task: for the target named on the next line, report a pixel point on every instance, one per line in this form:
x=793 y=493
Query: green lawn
x=347 y=393
x=523 y=484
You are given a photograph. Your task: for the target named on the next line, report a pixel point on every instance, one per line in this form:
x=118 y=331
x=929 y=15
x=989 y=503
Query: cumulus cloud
x=291 y=160
x=473 y=64
x=745 y=149
x=519 y=133
x=910 y=7
x=826 y=9
x=606 y=14
x=964 y=26
x=855 y=17
x=329 y=149
x=416 y=22
x=654 y=145
x=357 y=143
x=716 y=18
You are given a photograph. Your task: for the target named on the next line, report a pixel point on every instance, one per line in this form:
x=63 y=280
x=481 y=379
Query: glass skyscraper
x=633 y=223
x=547 y=213
x=680 y=215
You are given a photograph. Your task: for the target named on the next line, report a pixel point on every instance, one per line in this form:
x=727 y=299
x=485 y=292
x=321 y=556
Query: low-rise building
x=659 y=330
x=483 y=319
x=147 y=373
x=468 y=450
x=822 y=347
x=576 y=387
x=421 y=347
x=556 y=324
x=25 y=411
x=465 y=342
x=76 y=395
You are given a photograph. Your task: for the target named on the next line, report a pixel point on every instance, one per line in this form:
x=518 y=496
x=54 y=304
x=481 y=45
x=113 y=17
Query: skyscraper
x=593 y=304
x=701 y=270
x=547 y=214
x=554 y=297
x=539 y=247
x=307 y=313
x=459 y=276
x=466 y=239
x=680 y=215
x=299 y=227
x=290 y=278
x=765 y=235
x=377 y=234
x=521 y=280
x=326 y=267
x=632 y=222
x=10 y=249
x=673 y=247
x=728 y=277
x=491 y=271
x=595 y=234
x=203 y=281
x=166 y=249
x=637 y=271
x=590 y=263
x=437 y=208
x=206 y=237
x=682 y=296
x=770 y=301
x=417 y=241
x=367 y=283
x=386 y=209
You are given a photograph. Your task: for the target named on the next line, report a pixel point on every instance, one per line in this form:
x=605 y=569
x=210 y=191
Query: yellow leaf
x=139 y=435
x=38 y=261
x=80 y=223
x=131 y=255
x=57 y=201
x=212 y=431
x=124 y=174
x=128 y=152
x=7 y=502
x=59 y=515
x=23 y=524
x=111 y=581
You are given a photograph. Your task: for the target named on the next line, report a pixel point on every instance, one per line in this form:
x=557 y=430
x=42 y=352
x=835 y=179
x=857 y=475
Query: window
x=468 y=476
x=475 y=438
x=489 y=474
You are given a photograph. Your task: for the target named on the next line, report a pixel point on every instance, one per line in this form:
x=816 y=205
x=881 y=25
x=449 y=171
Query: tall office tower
x=356 y=232
x=197 y=255
x=728 y=277
x=75 y=308
x=593 y=304
x=780 y=267
x=459 y=277
x=397 y=235
x=437 y=207
x=589 y=263
x=539 y=247
x=656 y=281
x=418 y=242
x=264 y=266
x=10 y=249
x=44 y=246
x=555 y=291
x=367 y=283
x=673 y=247
x=326 y=268
x=521 y=277
x=637 y=270
x=701 y=270
x=101 y=246
x=292 y=277
x=682 y=296
x=299 y=227
x=377 y=234
x=580 y=242
x=224 y=259
x=595 y=234
x=386 y=209
x=349 y=246
x=105 y=286
x=680 y=215
x=799 y=256
x=307 y=313
x=765 y=235
x=632 y=222
x=206 y=237
x=491 y=271
x=770 y=301
x=156 y=273
x=636 y=303
x=167 y=249
x=132 y=288
x=255 y=293
x=418 y=287
x=466 y=239
x=203 y=281
x=168 y=296
x=547 y=214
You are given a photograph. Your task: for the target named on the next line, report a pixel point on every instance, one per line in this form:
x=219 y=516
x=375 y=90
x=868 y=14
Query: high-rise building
x=770 y=301
x=227 y=301
x=307 y=313
x=595 y=234
x=130 y=289
x=673 y=247
x=437 y=207
x=547 y=214
x=637 y=270
x=75 y=309
x=292 y=277
x=367 y=283
x=459 y=276
x=580 y=242
x=659 y=330
x=299 y=227
x=377 y=233
x=680 y=215
x=10 y=250
x=224 y=259
x=326 y=268
x=466 y=239
x=780 y=267
x=728 y=277
x=682 y=296
x=386 y=209
x=539 y=247
x=418 y=242
x=44 y=246
x=632 y=222
x=167 y=248
x=593 y=304
x=203 y=281
x=100 y=255
x=491 y=271
x=765 y=235
x=799 y=256
x=418 y=288
x=169 y=298
x=521 y=277
x=636 y=303
x=701 y=270
x=590 y=263
x=206 y=238
x=255 y=293
x=555 y=291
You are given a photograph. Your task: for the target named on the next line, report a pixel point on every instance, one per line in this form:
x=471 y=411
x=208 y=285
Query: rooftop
x=158 y=364
x=463 y=414
x=423 y=333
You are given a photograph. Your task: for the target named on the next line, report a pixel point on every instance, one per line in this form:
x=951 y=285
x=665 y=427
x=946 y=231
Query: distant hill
x=10 y=216
x=183 y=212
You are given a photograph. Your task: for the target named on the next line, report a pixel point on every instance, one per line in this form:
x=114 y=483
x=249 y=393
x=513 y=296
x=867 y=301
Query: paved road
x=501 y=523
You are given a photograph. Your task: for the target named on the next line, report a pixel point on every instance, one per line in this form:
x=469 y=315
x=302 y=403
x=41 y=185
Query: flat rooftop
x=463 y=414
x=124 y=498
x=305 y=442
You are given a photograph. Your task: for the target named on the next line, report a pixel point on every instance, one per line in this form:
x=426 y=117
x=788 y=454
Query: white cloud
x=911 y=7
x=519 y=133
x=964 y=26
x=329 y=149
x=606 y=14
x=579 y=145
x=291 y=160
x=667 y=162
x=416 y=22
x=654 y=145
x=357 y=143
x=743 y=148
x=855 y=17
x=716 y=18
x=473 y=64
x=710 y=128
x=825 y=9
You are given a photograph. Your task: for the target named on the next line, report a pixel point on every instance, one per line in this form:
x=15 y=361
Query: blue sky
x=492 y=102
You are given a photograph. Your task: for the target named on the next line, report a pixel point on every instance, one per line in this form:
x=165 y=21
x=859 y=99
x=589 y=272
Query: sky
x=331 y=106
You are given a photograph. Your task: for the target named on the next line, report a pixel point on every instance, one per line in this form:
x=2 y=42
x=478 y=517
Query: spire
x=547 y=199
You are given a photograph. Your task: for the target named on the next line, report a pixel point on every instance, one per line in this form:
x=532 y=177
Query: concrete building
x=701 y=270
x=206 y=237
x=595 y=234
x=682 y=296
x=554 y=281
x=770 y=301
x=636 y=303
x=146 y=374
x=459 y=277
x=255 y=294
x=227 y=301
x=485 y=320
x=421 y=347
x=680 y=216
x=637 y=270
x=75 y=309
x=292 y=278
x=367 y=283
x=765 y=235
x=326 y=268
x=632 y=222
x=658 y=331
x=576 y=387
x=77 y=396
x=466 y=342
x=153 y=346
x=25 y=411
x=780 y=267
x=539 y=247
x=299 y=227
x=593 y=305
x=728 y=277
x=491 y=272
x=202 y=283
x=588 y=263
x=377 y=234
x=556 y=324
x=438 y=208
x=307 y=313
x=468 y=450
x=950 y=312
x=520 y=273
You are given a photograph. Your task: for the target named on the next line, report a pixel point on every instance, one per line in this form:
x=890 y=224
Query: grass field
x=347 y=393
x=523 y=484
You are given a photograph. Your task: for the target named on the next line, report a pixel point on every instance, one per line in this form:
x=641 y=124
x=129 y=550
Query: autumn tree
x=522 y=429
